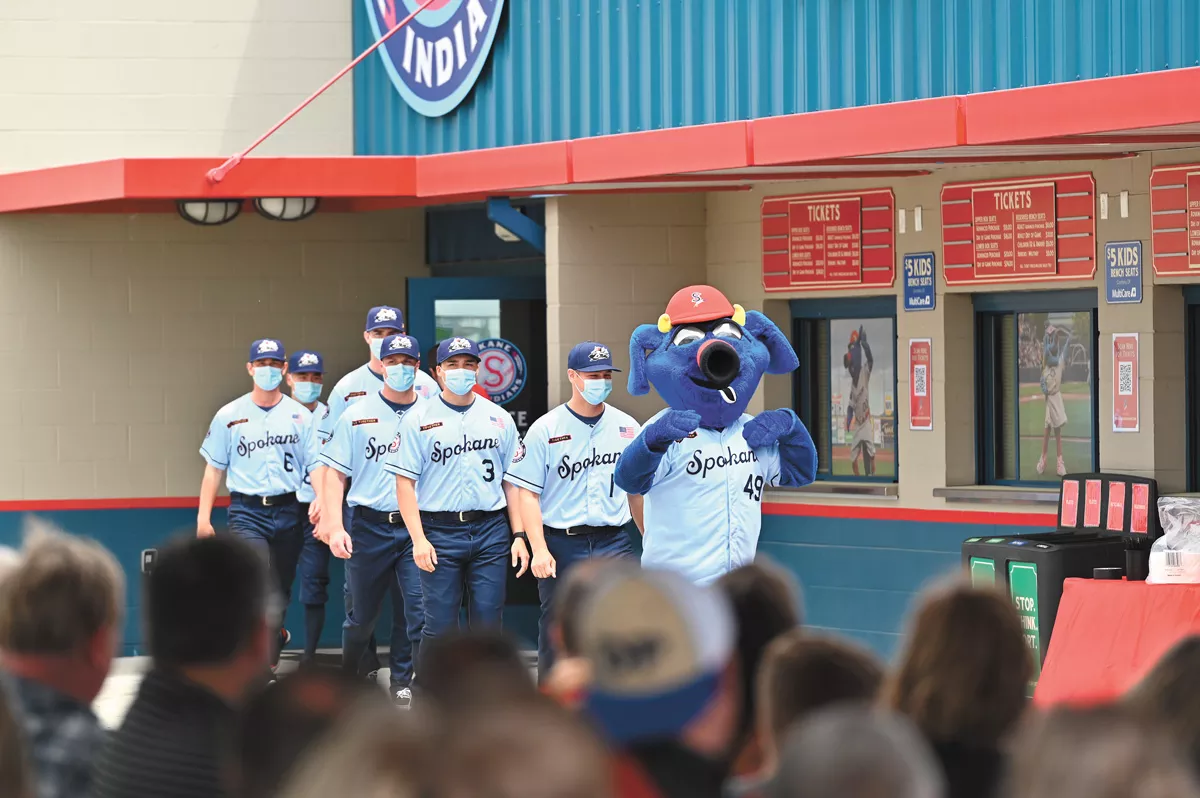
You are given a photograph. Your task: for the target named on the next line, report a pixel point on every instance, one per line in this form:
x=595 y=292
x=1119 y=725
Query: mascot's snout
x=719 y=363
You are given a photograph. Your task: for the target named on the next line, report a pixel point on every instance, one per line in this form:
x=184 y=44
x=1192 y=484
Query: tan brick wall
x=612 y=262
x=121 y=336
x=82 y=81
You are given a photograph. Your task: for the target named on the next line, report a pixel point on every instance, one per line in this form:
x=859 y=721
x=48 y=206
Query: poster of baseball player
x=1055 y=412
x=862 y=359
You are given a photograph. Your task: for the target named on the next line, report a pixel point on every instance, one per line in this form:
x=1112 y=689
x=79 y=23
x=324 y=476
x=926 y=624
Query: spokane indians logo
x=436 y=59
x=502 y=371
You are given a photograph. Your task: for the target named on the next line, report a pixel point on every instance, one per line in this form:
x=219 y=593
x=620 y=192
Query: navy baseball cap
x=306 y=362
x=401 y=344
x=267 y=348
x=384 y=316
x=457 y=346
x=590 y=356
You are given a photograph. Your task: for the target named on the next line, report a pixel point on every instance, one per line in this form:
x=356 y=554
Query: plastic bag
x=1175 y=557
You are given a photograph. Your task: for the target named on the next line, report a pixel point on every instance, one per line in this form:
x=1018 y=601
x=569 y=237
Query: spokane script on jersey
x=567 y=469
x=699 y=464
x=376 y=451
x=442 y=454
x=246 y=447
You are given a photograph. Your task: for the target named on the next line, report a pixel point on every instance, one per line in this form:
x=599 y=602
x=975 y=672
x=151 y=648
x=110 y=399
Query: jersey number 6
x=287 y=462
x=490 y=476
x=753 y=489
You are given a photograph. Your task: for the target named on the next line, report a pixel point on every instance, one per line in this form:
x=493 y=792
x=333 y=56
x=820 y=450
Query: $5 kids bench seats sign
x=435 y=61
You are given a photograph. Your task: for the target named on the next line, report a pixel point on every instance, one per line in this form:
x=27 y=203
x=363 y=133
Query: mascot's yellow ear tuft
x=664 y=323
x=739 y=315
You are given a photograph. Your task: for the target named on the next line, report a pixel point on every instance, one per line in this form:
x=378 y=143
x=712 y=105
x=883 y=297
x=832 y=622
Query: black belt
x=380 y=517
x=264 y=501
x=463 y=517
x=583 y=529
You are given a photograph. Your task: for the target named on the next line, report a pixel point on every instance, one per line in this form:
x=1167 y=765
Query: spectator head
x=856 y=752
x=964 y=672
x=569 y=600
x=555 y=755
x=10 y=560
x=766 y=603
x=802 y=674
x=466 y=668
x=1101 y=752
x=663 y=662
x=61 y=612
x=207 y=607
x=1169 y=696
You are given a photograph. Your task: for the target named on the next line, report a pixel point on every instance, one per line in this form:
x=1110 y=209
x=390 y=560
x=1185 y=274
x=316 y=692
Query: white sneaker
x=402 y=698
x=1062 y=468
x=1041 y=466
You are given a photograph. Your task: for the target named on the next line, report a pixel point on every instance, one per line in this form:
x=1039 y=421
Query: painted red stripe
x=150 y=503
x=907 y=514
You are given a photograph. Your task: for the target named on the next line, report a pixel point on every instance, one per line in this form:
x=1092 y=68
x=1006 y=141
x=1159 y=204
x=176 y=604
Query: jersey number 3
x=490 y=476
x=753 y=489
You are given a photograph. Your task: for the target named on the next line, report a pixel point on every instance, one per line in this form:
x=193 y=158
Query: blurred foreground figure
x=856 y=752
x=1170 y=696
x=467 y=669
x=16 y=775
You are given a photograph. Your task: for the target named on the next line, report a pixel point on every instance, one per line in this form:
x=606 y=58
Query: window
x=845 y=388
x=1036 y=376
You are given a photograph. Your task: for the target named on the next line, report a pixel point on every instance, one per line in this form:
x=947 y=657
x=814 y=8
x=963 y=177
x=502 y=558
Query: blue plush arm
x=638 y=464
x=797 y=454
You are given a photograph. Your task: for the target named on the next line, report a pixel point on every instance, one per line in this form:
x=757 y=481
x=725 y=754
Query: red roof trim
x=674 y=151
x=496 y=171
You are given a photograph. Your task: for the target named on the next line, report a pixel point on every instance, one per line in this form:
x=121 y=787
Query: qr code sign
x=919 y=387
x=1125 y=378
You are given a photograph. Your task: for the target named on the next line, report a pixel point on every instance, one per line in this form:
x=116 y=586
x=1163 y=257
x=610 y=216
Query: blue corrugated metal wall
x=573 y=68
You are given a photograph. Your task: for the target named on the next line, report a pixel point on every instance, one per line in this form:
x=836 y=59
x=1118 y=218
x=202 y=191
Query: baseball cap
x=267 y=348
x=697 y=303
x=401 y=344
x=384 y=316
x=590 y=356
x=658 y=645
x=457 y=346
x=306 y=362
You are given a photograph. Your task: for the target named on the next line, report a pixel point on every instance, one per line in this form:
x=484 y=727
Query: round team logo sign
x=435 y=60
x=502 y=371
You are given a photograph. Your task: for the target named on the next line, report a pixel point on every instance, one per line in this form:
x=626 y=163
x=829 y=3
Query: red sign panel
x=1043 y=228
x=920 y=405
x=1175 y=219
x=1125 y=382
x=1116 y=507
x=1070 y=503
x=1091 y=502
x=823 y=241
x=1139 y=513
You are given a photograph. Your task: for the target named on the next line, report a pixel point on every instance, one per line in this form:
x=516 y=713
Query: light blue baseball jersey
x=570 y=464
x=306 y=494
x=704 y=510
x=262 y=452
x=457 y=457
x=366 y=434
x=364 y=382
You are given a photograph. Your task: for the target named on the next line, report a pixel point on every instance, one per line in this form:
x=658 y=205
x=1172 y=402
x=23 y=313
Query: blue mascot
x=703 y=463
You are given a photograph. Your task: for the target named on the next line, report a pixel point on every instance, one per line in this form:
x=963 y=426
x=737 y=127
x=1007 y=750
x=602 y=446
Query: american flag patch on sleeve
x=627 y=432
x=497 y=422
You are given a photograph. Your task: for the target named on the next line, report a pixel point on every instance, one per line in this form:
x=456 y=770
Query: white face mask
x=376 y=345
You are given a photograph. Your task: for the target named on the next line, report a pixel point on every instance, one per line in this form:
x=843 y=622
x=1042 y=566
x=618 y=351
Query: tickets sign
x=1175 y=219
x=1019 y=231
x=920 y=406
x=1125 y=382
x=813 y=242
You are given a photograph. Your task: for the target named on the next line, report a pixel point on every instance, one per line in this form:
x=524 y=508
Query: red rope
x=218 y=174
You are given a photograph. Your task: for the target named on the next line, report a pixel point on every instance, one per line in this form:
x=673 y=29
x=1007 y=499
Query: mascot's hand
x=674 y=425
x=768 y=427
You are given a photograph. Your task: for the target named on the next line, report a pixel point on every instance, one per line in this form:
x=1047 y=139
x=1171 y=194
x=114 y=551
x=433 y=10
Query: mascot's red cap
x=698 y=303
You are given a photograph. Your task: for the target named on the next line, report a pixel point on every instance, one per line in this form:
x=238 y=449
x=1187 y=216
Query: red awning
x=1095 y=119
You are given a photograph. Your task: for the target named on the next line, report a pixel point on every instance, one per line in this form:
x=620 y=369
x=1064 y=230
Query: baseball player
x=377 y=548
x=454 y=451
x=263 y=444
x=859 y=362
x=305 y=378
x=1054 y=350
x=570 y=504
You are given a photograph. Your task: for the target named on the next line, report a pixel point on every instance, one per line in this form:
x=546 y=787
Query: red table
x=1109 y=634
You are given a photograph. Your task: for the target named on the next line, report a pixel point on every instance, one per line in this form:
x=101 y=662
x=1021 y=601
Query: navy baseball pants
x=381 y=564
x=275 y=533
x=567 y=551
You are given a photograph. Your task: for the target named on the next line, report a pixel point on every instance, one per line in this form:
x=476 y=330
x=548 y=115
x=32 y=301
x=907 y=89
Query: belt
x=458 y=517
x=264 y=501
x=584 y=529
x=380 y=517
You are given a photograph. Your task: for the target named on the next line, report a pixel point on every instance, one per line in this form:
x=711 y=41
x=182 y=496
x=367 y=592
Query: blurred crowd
x=661 y=689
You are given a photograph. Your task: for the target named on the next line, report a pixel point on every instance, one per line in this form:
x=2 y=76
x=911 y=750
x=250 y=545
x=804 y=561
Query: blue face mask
x=376 y=346
x=306 y=392
x=459 y=381
x=399 y=378
x=267 y=377
x=596 y=391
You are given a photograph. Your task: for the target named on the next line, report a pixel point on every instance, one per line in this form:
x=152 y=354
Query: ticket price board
x=1175 y=219
x=814 y=242
x=1031 y=230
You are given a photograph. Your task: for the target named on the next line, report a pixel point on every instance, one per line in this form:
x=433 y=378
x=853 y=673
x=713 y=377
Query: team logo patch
x=559 y=439
x=385 y=314
x=364 y=421
x=502 y=370
x=354 y=394
x=308 y=359
x=435 y=61
x=519 y=455
x=599 y=353
x=233 y=424
x=400 y=342
x=697 y=300
x=428 y=427
x=267 y=346
x=459 y=344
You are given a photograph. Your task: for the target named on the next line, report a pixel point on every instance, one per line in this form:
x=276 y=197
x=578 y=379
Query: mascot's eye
x=727 y=329
x=687 y=335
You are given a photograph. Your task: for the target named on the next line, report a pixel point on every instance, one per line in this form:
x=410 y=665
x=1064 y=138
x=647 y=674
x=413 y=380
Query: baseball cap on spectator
x=659 y=646
x=306 y=362
x=384 y=316
x=402 y=344
x=590 y=356
x=267 y=349
x=457 y=346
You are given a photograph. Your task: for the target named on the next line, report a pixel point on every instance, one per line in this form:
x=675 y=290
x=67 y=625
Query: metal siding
x=564 y=69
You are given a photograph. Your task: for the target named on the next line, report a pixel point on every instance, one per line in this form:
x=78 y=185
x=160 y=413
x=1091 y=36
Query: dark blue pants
x=568 y=550
x=275 y=533
x=474 y=557
x=370 y=657
x=381 y=564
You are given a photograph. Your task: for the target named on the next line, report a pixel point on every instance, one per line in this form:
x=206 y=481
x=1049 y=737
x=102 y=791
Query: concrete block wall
x=121 y=336
x=82 y=80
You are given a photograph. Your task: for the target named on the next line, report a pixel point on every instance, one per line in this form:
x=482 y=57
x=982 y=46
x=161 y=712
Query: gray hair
x=856 y=752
